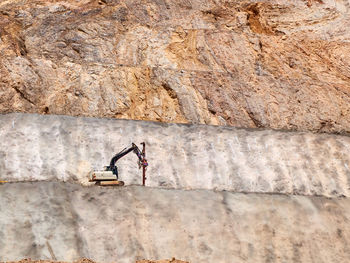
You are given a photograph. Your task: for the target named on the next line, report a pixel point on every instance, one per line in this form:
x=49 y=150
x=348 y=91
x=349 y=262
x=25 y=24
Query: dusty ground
x=28 y=260
x=279 y=64
x=90 y=261
x=162 y=261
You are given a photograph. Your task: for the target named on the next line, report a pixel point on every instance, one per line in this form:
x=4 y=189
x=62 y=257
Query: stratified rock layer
x=278 y=64
x=48 y=147
x=125 y=224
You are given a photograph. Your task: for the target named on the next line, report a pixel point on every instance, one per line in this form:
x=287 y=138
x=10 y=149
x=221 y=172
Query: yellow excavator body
x=104 y=178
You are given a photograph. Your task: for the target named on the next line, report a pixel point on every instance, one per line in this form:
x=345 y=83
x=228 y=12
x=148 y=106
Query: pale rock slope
x=122 y=225
x=47 y=147
x=213 y=194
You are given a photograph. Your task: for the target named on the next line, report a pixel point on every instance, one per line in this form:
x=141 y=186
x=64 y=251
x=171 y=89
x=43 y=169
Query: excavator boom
x=109 y=176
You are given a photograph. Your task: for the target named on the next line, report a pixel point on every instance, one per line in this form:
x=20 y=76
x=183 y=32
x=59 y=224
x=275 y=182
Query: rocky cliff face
x=276 y=64
x=60 y=148
x=128 y=224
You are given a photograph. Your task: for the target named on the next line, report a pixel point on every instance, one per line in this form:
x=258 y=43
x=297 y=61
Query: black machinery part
x=112 y=167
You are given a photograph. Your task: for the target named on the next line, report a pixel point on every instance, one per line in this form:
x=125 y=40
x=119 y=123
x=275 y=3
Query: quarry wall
x=278 y=196
x=214 y=193
x=135 y=222
x=48 y=147
x=269 y=63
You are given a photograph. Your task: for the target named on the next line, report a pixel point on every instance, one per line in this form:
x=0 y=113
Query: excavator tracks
x=110 y=183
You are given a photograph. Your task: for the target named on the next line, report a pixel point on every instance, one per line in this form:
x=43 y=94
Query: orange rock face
x=276 y=64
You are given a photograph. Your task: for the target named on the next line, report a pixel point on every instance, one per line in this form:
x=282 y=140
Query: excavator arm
x=142 y=161
x=109 y=176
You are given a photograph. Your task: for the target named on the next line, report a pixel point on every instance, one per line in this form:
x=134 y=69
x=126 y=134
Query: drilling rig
x=109 y=176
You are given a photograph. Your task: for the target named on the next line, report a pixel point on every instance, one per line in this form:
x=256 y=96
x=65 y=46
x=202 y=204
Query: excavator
x=109 y=176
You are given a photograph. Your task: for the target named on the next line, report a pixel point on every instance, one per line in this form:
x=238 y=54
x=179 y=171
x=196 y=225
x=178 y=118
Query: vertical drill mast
x=143 y=164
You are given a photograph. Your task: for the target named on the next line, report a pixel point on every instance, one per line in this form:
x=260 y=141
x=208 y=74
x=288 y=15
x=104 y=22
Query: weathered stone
x=50 y=148
x=134 y=222
x=278 y=64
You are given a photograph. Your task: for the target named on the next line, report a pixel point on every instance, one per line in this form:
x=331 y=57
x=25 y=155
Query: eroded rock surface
x=132 y=223
x=48 y=148
x=278 y=64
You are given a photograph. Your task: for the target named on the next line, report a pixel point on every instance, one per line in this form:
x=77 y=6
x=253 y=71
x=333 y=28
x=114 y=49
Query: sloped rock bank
x=135 y=222
x=37 y=147
x=275 y=64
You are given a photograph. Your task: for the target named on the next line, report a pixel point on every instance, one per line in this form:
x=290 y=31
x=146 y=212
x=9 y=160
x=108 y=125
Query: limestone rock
x=277 y=64
x=127 y=224
x=62 y=148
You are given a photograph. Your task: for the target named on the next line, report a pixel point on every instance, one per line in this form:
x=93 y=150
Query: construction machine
x=109 y=176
